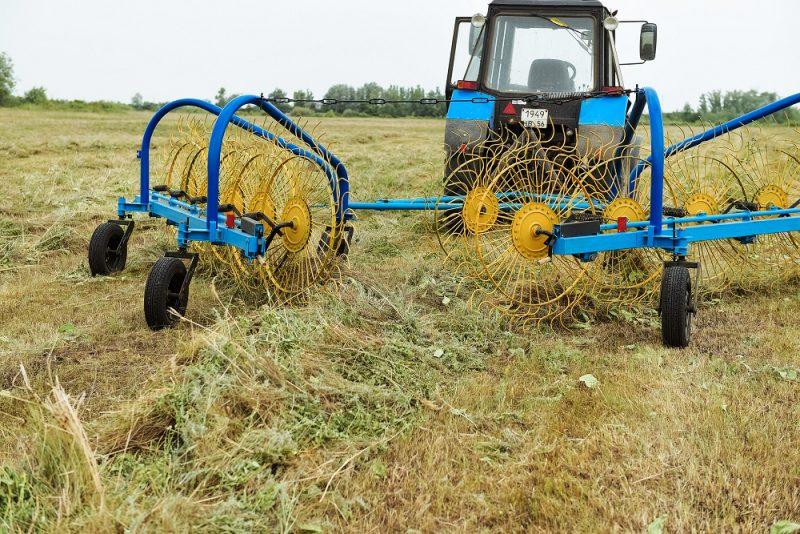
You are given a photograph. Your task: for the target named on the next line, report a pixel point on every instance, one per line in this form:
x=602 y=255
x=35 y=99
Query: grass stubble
x=384 y=403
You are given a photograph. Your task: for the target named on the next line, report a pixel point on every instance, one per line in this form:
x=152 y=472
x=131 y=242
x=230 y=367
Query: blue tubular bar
x=144 y=153
x=402 y=205
x=722 y=129
x=656 y=160
x=734 y=124
x=339 y=180
x=681 y=239
x=671 y=222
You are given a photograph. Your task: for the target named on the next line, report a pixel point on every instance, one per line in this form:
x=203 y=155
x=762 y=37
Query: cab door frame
x=449 y=86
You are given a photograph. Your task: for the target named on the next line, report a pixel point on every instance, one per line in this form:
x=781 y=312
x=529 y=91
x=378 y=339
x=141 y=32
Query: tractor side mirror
x=648 y=42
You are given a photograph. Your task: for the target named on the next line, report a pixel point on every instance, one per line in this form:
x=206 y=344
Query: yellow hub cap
x=480 y=210
x=624 y=207
x=296 y=238
x=772 y=196
x=526 y=230
x=701 y=203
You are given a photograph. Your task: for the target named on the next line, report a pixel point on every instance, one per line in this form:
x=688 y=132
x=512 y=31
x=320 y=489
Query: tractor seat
x=552 y=76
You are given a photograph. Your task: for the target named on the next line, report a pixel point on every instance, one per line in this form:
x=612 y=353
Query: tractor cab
x=549 y=67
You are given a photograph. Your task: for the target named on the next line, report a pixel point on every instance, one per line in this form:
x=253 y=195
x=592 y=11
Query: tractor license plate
x=535 y=118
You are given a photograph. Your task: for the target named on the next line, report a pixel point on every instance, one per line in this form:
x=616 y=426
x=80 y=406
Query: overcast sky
x=167 y=49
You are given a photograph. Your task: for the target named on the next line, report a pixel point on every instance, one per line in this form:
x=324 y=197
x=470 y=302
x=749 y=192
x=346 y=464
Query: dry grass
x=375 y=407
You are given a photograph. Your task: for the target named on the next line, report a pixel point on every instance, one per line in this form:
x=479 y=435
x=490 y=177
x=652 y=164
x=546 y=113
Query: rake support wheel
x=108 y=249
x=166 y=294
x=677 y=306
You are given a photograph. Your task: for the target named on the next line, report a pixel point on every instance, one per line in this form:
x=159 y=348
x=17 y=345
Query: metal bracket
x=580 y=228
x=129 y=226
x=344 y=238
x=276 y=231
x=194 y=259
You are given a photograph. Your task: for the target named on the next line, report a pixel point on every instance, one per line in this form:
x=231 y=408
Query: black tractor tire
x=162 y=294
x=104 y=258
x=449 y=222
x=677 y=307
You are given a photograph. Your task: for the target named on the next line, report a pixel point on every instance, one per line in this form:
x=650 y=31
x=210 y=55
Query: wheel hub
x=298 y=213
x=480 y=211
x=701 y=203
x=527 y=228
x=624 y=208
x=772 y=196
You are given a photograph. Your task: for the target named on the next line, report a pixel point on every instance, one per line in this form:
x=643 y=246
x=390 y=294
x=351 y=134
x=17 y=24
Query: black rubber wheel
x=104 y=258
x=162 y=294
x=676 y=307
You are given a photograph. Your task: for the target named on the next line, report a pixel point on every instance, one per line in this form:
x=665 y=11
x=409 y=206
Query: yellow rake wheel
x=772 y=196
x=471 y=209
x=703 y=185
x=626 y=208
x=771 y=177
x=628 y=276
x=257 y=176
x=526 y=282
x=480 y=211
x=304 y=255
x=531 y=228
x=625 y=277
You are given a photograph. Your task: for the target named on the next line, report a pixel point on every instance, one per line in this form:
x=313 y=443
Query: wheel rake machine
x=555 y=198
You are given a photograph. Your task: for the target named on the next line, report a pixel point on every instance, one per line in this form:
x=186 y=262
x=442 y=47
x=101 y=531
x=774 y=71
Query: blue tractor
x=542 y=68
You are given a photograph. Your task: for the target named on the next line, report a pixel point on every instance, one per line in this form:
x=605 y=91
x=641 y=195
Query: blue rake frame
x=668 y=235
x=196 y=224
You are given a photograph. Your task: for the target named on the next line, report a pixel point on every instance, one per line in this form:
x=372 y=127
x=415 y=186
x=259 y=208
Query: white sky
x=167 y=49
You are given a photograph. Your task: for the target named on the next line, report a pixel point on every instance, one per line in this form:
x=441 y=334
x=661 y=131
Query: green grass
x=384 y=403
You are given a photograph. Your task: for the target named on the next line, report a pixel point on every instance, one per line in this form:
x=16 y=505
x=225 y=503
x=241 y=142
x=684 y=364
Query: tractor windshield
x=542 y=54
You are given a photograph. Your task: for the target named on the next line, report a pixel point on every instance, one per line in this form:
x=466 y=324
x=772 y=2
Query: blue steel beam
x=680 y=239
x=193 y=226
x=739 y=229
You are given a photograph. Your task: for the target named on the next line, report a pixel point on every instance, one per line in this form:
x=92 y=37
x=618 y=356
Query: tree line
x=717 y=107
x=340 y=92
x=713 y=107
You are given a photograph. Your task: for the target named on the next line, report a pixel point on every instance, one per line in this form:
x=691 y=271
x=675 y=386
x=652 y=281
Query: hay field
x=384 y=404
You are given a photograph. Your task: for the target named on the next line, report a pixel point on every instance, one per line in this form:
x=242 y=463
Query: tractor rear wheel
x=106 y=256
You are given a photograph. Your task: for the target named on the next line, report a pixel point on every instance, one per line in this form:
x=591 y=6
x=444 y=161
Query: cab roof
x=547 y=3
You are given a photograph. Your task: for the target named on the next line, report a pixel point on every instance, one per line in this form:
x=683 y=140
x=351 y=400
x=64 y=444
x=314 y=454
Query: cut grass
x=384 y=403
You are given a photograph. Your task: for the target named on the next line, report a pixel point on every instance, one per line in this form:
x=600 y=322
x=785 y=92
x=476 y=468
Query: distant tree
x=35 y=95
x=137 y=101
x=715 y=101
x=7 y=82
x=688 y=114
x=718 y=106
x=221 y=99
x=340 y=92
x=303 y=95
x=703 y=105
x=276 y=95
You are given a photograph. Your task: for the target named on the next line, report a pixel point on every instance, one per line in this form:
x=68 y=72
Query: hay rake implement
x=547 y=205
